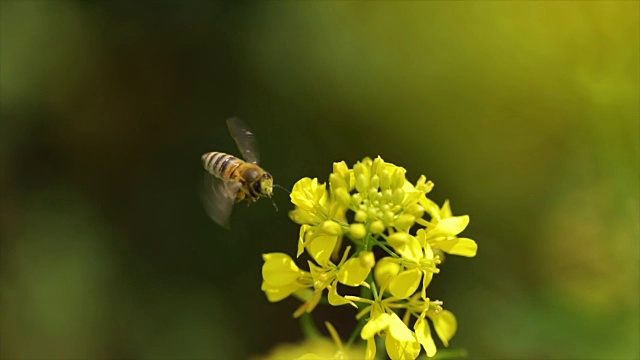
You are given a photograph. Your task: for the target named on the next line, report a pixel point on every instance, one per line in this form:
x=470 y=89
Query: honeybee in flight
x=229 y=179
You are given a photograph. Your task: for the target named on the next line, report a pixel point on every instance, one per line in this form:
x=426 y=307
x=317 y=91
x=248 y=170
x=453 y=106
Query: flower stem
x=365 y=293
x=309 y=327
x=386 y=249
x=356 y=331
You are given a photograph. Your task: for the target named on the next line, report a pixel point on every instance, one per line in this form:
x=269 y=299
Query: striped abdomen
x=220 y=164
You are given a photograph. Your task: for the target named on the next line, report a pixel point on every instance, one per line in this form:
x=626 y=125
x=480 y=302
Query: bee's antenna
x=283 y=188
x=274 y=204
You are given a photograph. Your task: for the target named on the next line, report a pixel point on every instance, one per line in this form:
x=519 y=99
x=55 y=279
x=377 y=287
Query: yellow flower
x=444 y=322
x=384 y=209
x=320 y=240
x=307 y=195
x=281 y=277
x=319 y=216
x=400 y=341
x=352 y=272
x=417 y=262
x=443 y=229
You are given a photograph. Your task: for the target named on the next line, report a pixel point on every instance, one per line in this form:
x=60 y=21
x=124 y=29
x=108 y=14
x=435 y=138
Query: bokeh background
x=524 y=114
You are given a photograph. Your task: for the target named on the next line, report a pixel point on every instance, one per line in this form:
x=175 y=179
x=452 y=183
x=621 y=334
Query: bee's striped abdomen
x=220 y=164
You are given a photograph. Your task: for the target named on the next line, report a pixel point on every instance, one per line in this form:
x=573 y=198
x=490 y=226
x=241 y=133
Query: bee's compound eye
x=257 y=188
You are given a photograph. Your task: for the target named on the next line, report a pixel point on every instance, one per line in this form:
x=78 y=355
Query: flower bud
x=361 y=216
x=362 y=183
x=367 y=259
x=416 y=210
x=399 y=239
x=388 y=216
x=387 y=195
x=398 y=196
x=397 y=179
x=373 y=193
x=378 y=164
x=342 y=196
x=357 y=231
x=377 y=227
x=331 y=228
x=385 y=179
x=341 y=169
x=404 y=222
x=337 y=182
x=375 y=182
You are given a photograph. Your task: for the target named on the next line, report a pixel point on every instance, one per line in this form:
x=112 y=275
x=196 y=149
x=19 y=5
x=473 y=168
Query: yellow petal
x=401 y=350
x=336 y=300
x=445 y=324
x=431 y=208
x=398 y=329
x=451 y=226
x=301 y=216
x=370 y=353
x=306 y=193
x=279 y=269
x=302 y=238
x=445 y=211
x=321 y=247
x=423 y=333
x=385 y=271
x=375 y=325
x=404 y=222
x=353 y=273
x=398 y=239
x=412 y=250
x=458 y=246
x=277 y=293
x=405 y=283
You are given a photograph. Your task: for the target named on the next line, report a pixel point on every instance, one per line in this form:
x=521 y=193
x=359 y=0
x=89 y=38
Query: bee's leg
x=240 y=196
x=251 y=200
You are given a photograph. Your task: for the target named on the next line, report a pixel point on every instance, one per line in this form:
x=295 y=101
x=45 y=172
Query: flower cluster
x=398 y=239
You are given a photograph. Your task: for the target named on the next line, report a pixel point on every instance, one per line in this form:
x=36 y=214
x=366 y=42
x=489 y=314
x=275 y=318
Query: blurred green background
x=524 y=114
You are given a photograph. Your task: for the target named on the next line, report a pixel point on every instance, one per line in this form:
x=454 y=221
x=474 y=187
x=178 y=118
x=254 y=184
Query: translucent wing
x=218 y=198
x=244 y=139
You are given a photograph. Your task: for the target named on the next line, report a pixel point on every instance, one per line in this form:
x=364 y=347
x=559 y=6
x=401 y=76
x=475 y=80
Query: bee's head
x=265 y=185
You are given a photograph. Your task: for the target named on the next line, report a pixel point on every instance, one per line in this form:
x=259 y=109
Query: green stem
x=356 y=331
x=365 y=293
x=386 y=249
x=309 y=327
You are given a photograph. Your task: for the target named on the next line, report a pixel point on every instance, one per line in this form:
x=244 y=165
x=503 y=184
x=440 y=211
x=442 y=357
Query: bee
x=229 y=179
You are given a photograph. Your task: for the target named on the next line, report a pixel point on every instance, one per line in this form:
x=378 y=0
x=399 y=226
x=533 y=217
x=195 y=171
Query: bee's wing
x=244 y=139
x=218 y=198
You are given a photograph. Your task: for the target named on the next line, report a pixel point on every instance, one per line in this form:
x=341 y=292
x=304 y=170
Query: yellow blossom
x=400 y=341
x=444 y=322
x=319 y=241
x=281 y=277
x=384 y=211
x=417 y=262
x=352 y=272
x=443 y=229
x=319 y=216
